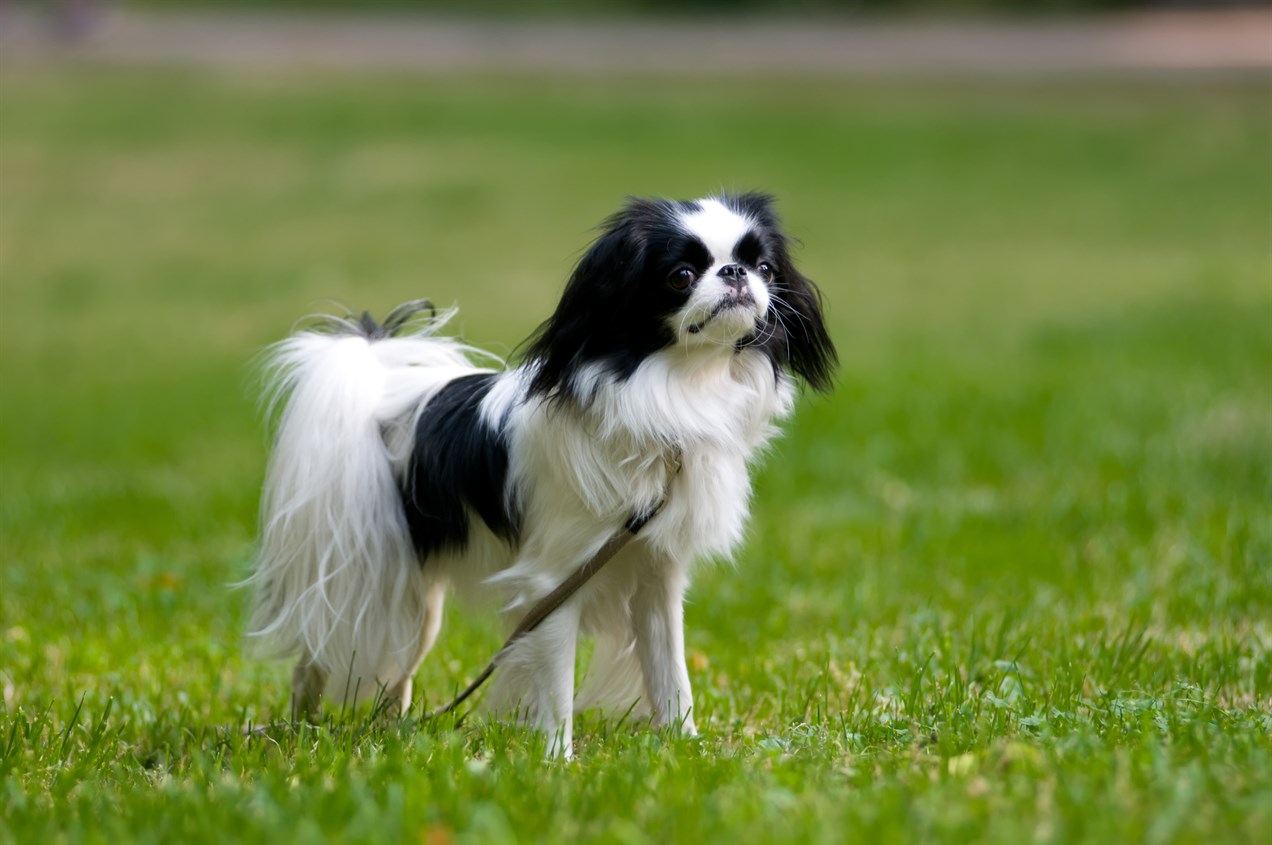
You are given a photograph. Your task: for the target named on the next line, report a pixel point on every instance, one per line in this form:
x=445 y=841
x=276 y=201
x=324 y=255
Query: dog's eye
x=765 y=268
x=680 y=279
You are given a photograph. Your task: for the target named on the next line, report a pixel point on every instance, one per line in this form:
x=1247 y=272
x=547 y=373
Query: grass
x=1011 y=582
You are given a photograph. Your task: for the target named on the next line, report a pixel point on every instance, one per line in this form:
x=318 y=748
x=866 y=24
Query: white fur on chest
x=585 y=473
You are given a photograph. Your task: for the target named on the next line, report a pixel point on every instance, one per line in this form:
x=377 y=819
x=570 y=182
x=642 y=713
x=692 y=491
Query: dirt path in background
x=1153 y=42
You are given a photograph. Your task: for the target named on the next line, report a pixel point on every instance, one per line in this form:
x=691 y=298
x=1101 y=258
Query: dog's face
x=708 y=273
x=717 y=266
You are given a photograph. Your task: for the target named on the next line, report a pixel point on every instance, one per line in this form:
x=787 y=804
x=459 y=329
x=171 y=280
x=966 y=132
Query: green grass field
x=1011 y=582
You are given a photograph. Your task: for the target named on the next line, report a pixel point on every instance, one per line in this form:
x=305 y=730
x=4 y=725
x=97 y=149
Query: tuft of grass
x=1011 y=582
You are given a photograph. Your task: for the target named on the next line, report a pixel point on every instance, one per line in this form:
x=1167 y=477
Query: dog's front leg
x=536 y=679
x=658 y=622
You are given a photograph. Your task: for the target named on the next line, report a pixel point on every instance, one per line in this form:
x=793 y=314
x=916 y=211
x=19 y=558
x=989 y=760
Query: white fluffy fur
x=337 y=579
x=340 y=585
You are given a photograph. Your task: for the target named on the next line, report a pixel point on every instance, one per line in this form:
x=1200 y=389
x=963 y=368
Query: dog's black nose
x=734 y=277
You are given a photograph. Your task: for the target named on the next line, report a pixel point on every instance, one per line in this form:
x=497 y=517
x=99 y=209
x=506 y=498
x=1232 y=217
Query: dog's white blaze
x=718 y=227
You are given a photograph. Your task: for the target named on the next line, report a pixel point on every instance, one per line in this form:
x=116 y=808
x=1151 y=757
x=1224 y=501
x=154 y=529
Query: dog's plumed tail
x=338 y=582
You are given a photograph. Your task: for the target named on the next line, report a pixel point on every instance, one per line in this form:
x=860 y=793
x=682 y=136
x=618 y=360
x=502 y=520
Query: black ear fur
x=796 y=334
x=808 y=349
x=593 y=320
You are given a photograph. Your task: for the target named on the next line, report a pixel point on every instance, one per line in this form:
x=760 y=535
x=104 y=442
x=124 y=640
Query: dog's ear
x=595 y=300
x=800 y=324
x=795 y=334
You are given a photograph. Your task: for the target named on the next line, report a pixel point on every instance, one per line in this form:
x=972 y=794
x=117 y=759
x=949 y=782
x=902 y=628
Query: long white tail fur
x=337 y=580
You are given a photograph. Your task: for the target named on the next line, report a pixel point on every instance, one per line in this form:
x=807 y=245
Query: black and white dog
x=402 y=469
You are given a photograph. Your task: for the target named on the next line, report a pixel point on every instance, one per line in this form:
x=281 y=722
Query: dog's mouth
x=728 y=304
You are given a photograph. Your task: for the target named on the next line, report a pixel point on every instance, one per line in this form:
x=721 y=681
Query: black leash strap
x=544 y=607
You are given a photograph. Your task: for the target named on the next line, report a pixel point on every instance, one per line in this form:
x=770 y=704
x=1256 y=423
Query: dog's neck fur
x=606 y=458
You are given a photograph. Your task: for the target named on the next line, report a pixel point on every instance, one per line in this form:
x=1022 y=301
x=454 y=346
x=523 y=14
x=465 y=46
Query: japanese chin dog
x=402 y=468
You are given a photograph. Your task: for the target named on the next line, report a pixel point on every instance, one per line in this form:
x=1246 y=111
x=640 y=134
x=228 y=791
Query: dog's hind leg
x=308 y=682
x=401 y=691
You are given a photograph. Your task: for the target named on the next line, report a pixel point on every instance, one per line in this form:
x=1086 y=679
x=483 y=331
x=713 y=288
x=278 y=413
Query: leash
x=544 y=607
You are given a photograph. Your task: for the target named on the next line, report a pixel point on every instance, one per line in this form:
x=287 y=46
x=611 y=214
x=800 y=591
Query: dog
x=403 y=469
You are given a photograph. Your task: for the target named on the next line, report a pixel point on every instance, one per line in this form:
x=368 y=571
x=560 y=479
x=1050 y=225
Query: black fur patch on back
x=459 y=464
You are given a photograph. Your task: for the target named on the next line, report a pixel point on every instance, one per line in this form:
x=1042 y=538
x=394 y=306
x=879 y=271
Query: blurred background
x=1042 y=230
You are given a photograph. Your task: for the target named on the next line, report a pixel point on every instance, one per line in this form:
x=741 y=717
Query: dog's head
x=706 y=275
